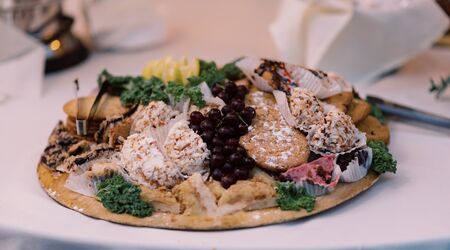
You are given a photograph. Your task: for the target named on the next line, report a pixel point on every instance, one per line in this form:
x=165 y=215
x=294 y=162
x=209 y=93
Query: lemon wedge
x=171 y=70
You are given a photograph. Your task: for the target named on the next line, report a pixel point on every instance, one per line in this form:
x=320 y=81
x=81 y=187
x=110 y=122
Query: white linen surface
x=403 y=210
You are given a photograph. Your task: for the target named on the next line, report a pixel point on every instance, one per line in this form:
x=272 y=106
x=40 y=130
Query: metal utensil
x=391 y=108
x=82 y=124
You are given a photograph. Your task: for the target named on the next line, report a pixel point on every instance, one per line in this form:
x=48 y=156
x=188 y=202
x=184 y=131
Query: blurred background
x=48 y=42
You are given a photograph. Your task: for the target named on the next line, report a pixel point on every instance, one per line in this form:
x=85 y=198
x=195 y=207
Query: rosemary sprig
x=440 y=87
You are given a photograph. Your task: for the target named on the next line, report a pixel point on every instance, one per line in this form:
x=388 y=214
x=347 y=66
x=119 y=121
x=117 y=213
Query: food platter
x=192 y=146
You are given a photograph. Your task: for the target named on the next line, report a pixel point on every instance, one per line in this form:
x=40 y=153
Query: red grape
x=217 y=174
x=196 y=117
x=236 y=159
x=249 y=162
x=207 y=136
x=224 y=96
x=215 y=115
x=238 y=105
x=241 y=150
x=217 y=160
x=217 y=149
x=231 y=119
x=227 y=168
x=230 y=88
x=226 y=132
x=241 y=173
x=207 y=125
x=227 y=109
x=229 y=149
x=227 y=180
x=216 y=89
x=232 y=142
x=217 y=141
x=242 y=129
x=196 y=128
x=243 y=89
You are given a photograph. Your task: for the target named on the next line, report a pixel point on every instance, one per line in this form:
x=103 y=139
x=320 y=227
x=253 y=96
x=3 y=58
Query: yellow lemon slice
x=170 y=70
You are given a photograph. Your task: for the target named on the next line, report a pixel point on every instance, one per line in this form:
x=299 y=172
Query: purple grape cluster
x=221 y=129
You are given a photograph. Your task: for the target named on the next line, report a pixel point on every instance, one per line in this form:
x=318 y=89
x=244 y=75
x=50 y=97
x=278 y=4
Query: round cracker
x=109 y=106
x=375 y=131
x=358 y=110
x=341 y=101
x=53 y=183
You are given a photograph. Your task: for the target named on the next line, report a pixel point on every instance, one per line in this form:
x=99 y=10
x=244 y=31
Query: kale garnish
x=211 y=74
x=143 y=91
x=178 y=92
x=290 y=197
x=119 y=196
x=232 y=72
x=138 y=90
x=382 y=160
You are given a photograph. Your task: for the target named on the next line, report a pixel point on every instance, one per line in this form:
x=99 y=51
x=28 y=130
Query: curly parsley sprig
x=382 y=160
x=178 y=92
x=138 y=90
x=119 y=196
x=290 y=197
x=211 y=74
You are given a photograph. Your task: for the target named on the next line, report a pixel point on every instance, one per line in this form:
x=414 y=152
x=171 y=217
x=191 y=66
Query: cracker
x=273 y=144
x=375 y=131
x=358 y=110
x=109 y=106
x=341 y=101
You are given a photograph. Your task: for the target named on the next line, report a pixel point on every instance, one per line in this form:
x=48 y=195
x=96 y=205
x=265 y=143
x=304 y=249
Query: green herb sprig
x=138 y=90
x=210 y=73
x=178 y=92
x=440 y=87
x=382 y=160
x=119 y=196
x=290 y=197
x=143 y=91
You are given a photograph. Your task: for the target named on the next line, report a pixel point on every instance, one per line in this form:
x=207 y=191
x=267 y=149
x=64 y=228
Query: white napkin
x=22 y=61
x=358 y=39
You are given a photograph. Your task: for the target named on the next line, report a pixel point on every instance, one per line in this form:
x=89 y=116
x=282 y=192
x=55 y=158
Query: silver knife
x=396 y=109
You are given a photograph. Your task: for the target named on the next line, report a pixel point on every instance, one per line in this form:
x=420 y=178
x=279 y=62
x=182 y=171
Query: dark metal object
x=83 y=124
x=44 y=20
x=391 y=108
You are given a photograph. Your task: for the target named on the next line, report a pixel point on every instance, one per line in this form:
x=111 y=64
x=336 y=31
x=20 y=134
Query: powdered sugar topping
x=186 y=149
x=154 y=115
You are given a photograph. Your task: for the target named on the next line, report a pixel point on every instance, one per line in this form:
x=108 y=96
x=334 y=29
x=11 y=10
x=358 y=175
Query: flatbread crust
x=53 y=183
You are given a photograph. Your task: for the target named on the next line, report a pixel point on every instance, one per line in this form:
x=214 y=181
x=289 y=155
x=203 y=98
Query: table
x=403 y=211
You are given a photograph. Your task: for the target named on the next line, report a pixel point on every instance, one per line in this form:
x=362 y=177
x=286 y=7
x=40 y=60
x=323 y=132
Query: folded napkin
x=358 y=39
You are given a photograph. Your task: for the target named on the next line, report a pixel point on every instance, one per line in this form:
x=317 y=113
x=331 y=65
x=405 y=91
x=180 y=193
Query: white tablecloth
x=404 y=211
